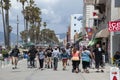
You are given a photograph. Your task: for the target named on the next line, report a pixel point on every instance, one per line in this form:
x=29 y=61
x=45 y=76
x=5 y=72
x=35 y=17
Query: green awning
x=90 y=43
x=93 y=41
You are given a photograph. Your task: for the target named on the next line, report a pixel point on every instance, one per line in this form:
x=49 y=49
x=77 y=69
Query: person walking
x=97 y=55
x=5 y=55
x=64 y=57
x=32 y=54
x=75 y=60
x=86 y=58
x=69 y=54
x=41 y=57
x=49 y=57
x=14 y=55
x=55 y=55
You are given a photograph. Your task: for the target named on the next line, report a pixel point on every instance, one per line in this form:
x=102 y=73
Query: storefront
x=104 y=36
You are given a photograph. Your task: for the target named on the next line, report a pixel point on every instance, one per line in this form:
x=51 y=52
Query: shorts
x=85 y=64
x=64 y=60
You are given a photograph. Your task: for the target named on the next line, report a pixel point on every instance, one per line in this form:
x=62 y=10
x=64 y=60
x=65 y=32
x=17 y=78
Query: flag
x=95 y=14
x=89 y=30
x=79 y=18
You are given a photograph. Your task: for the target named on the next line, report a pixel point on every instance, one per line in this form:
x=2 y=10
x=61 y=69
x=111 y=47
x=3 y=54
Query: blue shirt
x=86 y=56
x=41 y=55
x=64 y=56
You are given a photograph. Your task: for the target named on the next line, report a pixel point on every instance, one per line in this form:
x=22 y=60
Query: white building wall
x=89 y=9
x=114 y=37
x=76 y=25
x=115 y=11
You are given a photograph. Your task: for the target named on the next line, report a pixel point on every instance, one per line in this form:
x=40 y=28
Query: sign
x=89 y=30
x=114 y=26
x=114 y=73
x=117 y=3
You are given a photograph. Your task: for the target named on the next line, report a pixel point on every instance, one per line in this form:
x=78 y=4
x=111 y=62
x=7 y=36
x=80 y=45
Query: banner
x=114 y=26
x=89 y=30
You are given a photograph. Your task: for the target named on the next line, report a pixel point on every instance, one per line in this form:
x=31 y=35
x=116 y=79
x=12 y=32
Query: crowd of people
x=50 y=56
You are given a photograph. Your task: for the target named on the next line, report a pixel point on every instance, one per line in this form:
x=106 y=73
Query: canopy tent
x=28 y=44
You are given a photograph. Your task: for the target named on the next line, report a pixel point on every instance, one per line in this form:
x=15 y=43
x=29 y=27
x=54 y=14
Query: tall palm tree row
x=5 y=5
x=32 y=16
x=23 y=5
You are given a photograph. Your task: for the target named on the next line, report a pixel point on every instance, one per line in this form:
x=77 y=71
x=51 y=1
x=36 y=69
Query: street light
x=17 y=30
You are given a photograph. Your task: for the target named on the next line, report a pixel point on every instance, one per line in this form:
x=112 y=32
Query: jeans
x=55 y=63
x=41 y=61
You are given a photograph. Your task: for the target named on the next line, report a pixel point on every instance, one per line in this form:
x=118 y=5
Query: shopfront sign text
x=114 y=26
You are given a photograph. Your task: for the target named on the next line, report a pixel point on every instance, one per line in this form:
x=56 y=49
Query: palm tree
x=23 y=5
x=4 y=27
x=5 y=4
x=32 y=17
x=45 y=24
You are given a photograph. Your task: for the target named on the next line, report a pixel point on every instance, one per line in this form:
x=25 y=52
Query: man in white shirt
x=55 y=55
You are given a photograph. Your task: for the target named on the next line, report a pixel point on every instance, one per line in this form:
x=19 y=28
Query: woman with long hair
x=64 y=57
x=75 y=60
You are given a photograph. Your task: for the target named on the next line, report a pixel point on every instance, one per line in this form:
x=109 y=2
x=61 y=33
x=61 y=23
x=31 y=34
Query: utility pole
x=17 y=30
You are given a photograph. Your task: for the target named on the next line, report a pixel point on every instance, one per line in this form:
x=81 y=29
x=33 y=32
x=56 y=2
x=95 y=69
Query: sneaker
x=63 y=69
x=41 y=69
x=97 y=71
x=87 y=71
x=102 y=71
x=13 y=67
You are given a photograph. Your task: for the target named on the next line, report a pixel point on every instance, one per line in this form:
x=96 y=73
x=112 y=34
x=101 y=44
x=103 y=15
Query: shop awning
x=103 y=33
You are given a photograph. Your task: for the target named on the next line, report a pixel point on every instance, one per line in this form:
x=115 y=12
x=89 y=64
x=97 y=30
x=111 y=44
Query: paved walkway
x=24 y=73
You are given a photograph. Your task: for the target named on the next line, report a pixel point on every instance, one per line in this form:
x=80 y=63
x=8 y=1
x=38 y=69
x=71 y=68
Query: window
x=74 y=24
x=75 y=17
x=74 y=30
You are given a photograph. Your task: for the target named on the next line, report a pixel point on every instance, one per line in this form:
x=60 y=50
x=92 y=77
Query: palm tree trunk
x=24 y=17
x=7 y=24
x=4 y=26
x=27 y=31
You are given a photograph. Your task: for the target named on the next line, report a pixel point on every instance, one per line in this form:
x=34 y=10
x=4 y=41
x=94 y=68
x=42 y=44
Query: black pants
x=98 y=63
x=41 y=61
x=32 y=61
x=75 y=64
x=85 y=64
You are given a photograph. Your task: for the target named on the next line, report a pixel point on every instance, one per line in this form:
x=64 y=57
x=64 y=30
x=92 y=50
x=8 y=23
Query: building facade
x=109 y=10
x=75 y=26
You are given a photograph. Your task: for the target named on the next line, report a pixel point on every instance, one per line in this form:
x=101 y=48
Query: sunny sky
x=55 y=12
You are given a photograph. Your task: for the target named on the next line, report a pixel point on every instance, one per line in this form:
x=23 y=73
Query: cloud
x=45 y=11
x=55 y=12
x=50 y=2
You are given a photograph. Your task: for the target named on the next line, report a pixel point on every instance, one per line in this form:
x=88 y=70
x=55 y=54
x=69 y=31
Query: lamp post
x=17 y=30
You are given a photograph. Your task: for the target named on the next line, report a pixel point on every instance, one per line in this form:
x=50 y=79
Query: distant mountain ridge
x=13 y=37
x=62 y=35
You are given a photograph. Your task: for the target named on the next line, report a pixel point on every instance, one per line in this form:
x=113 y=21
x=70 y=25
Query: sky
x=56 y=13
